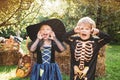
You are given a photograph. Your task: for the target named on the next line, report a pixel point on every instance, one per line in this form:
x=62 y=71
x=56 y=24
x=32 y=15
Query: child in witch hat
x=47 y=38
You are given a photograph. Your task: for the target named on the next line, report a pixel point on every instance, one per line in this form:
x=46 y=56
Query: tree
x=26 y=12
x=16 y=15
x=105 y=12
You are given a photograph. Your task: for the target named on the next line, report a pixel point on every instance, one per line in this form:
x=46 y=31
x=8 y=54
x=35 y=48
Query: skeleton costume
x=84 y=54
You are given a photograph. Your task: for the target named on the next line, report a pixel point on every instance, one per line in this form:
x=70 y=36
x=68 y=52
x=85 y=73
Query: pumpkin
x=20 y=73
x=24 y=66
x=27 y=65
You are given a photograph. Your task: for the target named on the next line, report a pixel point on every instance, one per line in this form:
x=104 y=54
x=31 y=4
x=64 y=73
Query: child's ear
x=92 y=30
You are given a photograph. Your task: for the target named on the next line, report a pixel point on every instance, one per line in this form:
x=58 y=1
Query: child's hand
x=52 y=36
x=95 y=31
x=39 y=35
x=77 y=29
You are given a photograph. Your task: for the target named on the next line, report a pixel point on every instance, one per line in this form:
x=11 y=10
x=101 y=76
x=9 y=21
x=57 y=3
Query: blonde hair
x=87 y=20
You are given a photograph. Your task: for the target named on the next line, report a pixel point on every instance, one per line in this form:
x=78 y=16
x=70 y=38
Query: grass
x=112 y=63
x=8 y=73
x=112 y=67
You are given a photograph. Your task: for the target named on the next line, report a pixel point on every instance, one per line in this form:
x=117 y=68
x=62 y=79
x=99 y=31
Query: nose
x=45 y=30
x=84 y=30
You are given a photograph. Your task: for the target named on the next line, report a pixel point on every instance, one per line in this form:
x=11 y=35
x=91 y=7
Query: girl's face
x=45 y=31
x=84 y=31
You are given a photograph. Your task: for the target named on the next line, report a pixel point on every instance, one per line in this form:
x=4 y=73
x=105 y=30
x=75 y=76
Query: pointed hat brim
x=56 y=25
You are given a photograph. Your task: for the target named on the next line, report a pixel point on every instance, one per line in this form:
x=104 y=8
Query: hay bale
x=63 y=60
x=100 y=66
x=9 y=58
x=9 y=52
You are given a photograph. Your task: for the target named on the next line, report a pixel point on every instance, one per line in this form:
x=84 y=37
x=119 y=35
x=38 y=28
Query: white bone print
x=83 y=52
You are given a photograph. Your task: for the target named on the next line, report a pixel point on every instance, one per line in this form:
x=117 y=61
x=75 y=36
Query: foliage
x=19 y=14
x=112 y=63
x=5 y=31
x=24 y=16
x=105 y=12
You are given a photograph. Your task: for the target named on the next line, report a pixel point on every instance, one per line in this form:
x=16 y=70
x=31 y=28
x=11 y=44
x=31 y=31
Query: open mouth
x=84 y=35
x=45 y=35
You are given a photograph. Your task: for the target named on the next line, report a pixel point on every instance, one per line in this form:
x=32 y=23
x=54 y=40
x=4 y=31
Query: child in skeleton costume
x=46 y=37
x=84 y=48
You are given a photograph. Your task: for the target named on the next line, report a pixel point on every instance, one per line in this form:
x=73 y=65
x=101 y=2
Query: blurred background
x=16 y=15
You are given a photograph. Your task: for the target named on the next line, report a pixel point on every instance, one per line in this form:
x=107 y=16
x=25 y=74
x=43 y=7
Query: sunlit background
x=16 y=15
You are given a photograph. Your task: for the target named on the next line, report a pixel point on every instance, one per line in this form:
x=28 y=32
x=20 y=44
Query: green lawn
x=8 y=73
x=112 y=67
x=112 y=63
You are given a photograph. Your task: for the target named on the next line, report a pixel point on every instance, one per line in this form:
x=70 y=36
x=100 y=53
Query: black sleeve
x=56 y=47
x=104 y=39
x=67 y=36
x=29 y=45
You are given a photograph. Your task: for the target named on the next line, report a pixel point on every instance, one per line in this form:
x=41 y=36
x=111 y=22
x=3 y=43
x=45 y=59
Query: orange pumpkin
x=20 y=73
x=27 y=65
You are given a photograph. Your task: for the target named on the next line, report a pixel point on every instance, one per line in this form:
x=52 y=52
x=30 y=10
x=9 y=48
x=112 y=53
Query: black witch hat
x=56 y=25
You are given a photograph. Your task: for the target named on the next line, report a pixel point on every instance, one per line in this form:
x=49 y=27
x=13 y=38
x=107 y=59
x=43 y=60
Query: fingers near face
x=45 y=30
x=84 y=31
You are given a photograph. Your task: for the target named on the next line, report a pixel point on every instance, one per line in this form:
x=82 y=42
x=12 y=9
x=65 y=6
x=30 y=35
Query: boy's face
x=84 y=31
x=45 y=31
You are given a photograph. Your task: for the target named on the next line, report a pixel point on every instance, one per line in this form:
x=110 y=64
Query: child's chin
x=85 y=38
